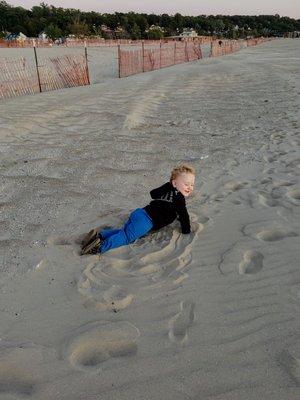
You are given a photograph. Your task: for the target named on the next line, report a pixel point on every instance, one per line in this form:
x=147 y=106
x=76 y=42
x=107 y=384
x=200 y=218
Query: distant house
x=155 y=28
x=294 y=35
x=119 y=29
x=10 y=36
x=120 y=33
x=16 y=36
x=107 y=32
x=188 y=33
x=43 y=36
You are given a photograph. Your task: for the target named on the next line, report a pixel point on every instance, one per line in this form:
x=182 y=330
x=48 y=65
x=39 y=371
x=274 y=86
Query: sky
x=289 y=8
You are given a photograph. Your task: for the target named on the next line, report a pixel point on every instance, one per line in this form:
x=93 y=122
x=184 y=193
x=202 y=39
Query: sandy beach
x=213 y=315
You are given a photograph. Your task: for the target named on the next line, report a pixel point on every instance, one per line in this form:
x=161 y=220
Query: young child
x=168 y=203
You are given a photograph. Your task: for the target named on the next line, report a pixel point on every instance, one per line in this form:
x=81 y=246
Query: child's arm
x=184 y=218
x=160 y=191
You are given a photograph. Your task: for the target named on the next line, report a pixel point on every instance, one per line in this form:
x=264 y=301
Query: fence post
x=175 y=52
x=160 y=55
x=37 y=67
x=86 y=63
x=119 y=60
x=143 y=55
x=200 y=52
x=186 y=53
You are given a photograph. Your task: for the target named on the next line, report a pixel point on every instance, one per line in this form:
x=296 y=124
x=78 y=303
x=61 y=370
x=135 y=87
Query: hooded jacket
x=167 y=205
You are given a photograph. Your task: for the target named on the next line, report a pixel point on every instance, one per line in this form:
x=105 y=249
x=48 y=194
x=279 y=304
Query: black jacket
x=168 y=204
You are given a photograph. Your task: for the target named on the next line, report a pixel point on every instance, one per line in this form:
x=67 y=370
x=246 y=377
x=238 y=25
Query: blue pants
x=138 y=224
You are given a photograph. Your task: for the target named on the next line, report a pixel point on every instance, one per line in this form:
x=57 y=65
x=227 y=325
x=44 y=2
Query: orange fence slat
x=149 y=59
x=223 y=47
x=18 y=78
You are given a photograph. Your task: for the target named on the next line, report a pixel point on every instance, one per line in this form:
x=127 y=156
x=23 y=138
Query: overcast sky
x=289 y=8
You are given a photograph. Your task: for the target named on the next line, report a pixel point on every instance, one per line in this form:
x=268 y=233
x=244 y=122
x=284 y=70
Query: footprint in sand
x=293 y=163
x=280 y=183
x=268 y=171
x=154 y=263
x=266 y=180
x=289 y=359
x=179 y=324
x=277 y=135
x=236 y=202
x=234 y=186
x=252 y=262
x=202 y=218
x=269 y=158
x=15 y=382
x=91 y=345
x=295 y=291
x=274 y=234
x=14 y=379
x=294 y=196
x=267 y=200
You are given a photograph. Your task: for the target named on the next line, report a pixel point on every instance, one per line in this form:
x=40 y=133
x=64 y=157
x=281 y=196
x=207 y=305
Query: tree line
x=59 y=22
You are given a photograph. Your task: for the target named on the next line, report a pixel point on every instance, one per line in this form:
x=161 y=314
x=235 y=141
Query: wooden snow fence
x=72 y=42
x=62 y=72
x=155 y=57
x=18 y=77
x=26 y=43
x=256 y=41
x=224 y=47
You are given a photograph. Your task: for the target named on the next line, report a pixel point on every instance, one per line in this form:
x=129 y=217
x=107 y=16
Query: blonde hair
x=180 y=169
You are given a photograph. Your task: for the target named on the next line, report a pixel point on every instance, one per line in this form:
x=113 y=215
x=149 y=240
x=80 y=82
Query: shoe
x=89 y=237
x=92 y=248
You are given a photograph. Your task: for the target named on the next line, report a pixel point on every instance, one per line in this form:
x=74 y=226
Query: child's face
x=184 y=183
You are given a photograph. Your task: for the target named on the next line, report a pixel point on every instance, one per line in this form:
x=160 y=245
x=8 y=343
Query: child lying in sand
x=168 y=203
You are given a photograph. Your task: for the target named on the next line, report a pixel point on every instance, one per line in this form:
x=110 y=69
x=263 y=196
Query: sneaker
x=89 y=237
x=92 y=248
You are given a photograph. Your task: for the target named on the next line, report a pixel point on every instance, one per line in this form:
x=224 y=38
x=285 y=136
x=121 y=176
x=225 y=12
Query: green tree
x=79 y=29
x=135 y=25
x=53 y=31
x=135 y=32
x=155 y=34
x=178 y=22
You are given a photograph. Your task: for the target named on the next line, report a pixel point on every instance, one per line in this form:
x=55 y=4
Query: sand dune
x=211 y=315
